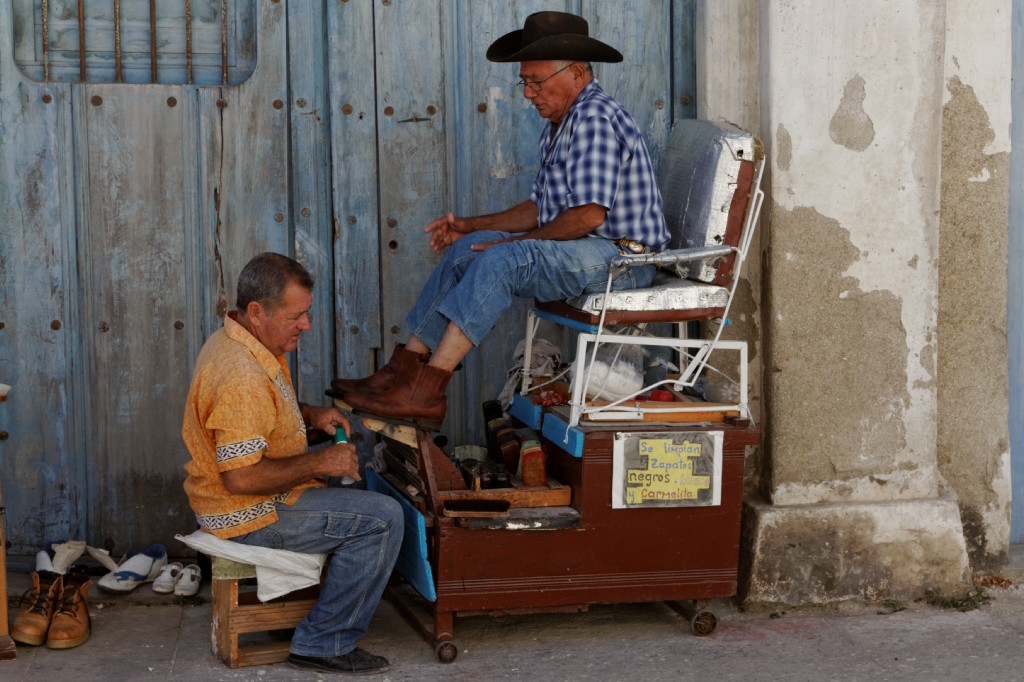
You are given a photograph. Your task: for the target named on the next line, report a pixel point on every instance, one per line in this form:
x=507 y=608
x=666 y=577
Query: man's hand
x=327 y=419
x=444 y=231
x=340 y=460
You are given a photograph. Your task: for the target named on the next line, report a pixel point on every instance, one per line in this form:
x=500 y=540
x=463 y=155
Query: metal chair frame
x=592 y=336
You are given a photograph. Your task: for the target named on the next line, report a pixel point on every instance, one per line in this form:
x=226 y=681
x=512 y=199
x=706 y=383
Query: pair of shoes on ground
x=356 y=662
x=135 y=569
x=54 y=611
x=181 y=580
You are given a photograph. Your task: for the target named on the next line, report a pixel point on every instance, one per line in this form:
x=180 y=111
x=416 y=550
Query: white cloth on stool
x=278 y=571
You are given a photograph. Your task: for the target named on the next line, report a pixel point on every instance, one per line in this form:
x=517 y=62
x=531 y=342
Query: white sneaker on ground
x=43 y=561
x=168 y=578
x=188 y=583
x=135 y=570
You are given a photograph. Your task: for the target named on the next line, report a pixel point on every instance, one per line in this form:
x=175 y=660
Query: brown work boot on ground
x=34 y=619
x=417 y=396
x=71 y=625
x=402 y=362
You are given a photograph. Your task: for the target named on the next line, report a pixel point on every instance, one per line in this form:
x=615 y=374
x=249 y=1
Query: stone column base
x=820 y=553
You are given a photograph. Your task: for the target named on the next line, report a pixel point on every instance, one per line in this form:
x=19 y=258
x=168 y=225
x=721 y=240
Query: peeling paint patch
x=851 y=127
x=784 y=147
x=983 y=176
x=972 y=321
x=836 y=366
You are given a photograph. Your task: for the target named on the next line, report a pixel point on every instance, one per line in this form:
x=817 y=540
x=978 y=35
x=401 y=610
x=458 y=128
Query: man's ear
x=255 y=311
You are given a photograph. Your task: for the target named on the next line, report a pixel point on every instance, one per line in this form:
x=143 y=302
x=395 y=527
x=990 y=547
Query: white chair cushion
x=667 y=292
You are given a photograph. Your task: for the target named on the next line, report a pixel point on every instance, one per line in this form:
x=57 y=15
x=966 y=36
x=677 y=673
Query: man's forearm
x=519 y=218
x=572 y=223
x=270 y=476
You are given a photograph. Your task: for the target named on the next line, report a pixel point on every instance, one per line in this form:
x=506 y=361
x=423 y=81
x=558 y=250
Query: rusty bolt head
x=4 y=435
x=392 y=222
x=351 y=220
x=1 y=325
x=431 y=110
x=278 y=217
x=393 y=245
x=103 y=327
x=659 y=105
x=346 y=109
x=305 y=212
x=278 y=104
x=685 y=100
x=172 y=102
x=353 y=329
x=55 y=325
x=222 y=103
x=389 y=111
x=482 y=108
x=179 y=325
x=47 y=98
x=395 y=329
x=300 y=103
x=96 y=100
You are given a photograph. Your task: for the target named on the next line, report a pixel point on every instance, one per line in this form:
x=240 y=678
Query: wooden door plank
x=132 y=241
x=311 y=191
x=40 y=443
x=414 y=161
x=243 y=151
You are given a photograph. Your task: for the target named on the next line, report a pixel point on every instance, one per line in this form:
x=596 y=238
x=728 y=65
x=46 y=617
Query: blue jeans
x=362 y=531
x=473 y=288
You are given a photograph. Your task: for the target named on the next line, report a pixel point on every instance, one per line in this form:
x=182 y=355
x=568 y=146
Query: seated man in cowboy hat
x=594 y=195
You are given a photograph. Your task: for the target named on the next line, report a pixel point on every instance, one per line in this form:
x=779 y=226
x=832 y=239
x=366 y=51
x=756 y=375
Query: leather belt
x=632 y=246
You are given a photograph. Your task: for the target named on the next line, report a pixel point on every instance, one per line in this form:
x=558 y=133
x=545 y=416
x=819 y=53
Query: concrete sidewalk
x=145 y=636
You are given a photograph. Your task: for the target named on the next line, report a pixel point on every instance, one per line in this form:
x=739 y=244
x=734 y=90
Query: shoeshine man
x=253 y=480
x=594 y=196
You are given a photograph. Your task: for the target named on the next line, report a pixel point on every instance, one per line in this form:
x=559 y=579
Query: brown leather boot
x=417 y=395
x=401 y=362
x=71 y=625
x=34 y=619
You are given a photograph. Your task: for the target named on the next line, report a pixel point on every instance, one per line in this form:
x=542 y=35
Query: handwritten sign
x=667 y=469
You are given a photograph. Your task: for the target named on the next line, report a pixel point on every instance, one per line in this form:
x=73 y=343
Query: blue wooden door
x=1015 y=284
x=128 y=208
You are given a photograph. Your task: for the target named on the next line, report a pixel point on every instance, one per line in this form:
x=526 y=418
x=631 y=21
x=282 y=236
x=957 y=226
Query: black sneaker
x=355 y=662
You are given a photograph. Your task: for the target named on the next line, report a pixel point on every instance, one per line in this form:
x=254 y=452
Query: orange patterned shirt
x=241 y=407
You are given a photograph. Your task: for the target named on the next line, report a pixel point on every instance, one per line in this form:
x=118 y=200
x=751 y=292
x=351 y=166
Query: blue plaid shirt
x=598 y=156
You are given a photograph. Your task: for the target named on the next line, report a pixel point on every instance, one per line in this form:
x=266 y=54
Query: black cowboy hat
x=551 y=35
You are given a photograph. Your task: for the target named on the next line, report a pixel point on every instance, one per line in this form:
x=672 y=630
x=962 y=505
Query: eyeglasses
x=535 y=85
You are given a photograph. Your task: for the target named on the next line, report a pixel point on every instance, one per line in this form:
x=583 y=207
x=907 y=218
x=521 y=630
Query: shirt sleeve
x=241 y=420
x=595 y=157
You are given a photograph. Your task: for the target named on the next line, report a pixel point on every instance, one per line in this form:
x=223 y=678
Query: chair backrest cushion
x=706 y=176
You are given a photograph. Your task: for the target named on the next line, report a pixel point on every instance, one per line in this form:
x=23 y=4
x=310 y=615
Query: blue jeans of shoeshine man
x=362 y=531
x=473 y=288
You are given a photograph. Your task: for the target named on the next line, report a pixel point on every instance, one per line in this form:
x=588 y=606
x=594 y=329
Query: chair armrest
x=671 y=256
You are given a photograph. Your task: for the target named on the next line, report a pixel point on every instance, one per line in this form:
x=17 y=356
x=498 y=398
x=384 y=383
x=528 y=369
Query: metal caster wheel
x=446 y=652
x=703 y=623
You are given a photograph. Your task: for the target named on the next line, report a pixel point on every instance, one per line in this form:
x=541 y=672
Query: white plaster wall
x=883 y=190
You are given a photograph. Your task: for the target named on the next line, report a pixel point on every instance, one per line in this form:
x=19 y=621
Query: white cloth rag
x=278 y=571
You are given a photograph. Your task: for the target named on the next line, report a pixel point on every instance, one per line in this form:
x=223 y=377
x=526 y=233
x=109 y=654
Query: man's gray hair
x=266 y=276
x=564 y=63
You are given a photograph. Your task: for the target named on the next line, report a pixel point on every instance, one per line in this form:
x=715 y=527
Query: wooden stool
x=236 y=612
